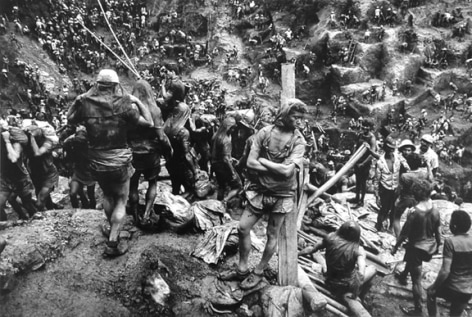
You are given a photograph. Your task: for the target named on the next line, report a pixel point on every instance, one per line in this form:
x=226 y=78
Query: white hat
x=427 y=138
x=108 y=76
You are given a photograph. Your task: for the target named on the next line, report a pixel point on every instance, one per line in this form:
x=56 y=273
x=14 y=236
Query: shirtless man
x=14 y=177
x=277 y=151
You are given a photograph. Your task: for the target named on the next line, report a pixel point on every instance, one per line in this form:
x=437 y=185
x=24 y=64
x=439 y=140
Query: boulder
x=445 y=209
x=428 y=74
x=349 y=75
x=359 y=88
x=282 y=301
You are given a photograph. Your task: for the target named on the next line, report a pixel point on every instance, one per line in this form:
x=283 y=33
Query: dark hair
x=421 y=189
x=460 y=222
x=177 y=88
x=368 y=122
x=414 y=161
x=173 y=68
x=41 y=116
x=297 y=106
x=350 y=231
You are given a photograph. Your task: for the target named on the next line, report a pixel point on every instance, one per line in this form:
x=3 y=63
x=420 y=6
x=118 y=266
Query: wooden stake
x=288 y=250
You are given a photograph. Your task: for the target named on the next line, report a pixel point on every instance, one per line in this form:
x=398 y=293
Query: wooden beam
x=287 y=243
x=288 y=82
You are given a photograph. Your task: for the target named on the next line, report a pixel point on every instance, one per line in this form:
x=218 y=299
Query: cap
x=108 y=76
x=427 y=138
x=406 y=143
x=389 y=142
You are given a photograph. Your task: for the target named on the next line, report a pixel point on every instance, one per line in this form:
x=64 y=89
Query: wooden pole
x=311 y=296
x=288 y=83
x=288 y=250
x=333 y=180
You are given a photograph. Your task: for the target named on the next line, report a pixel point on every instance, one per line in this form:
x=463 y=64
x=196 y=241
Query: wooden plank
x=288 y=251
x=288 y=82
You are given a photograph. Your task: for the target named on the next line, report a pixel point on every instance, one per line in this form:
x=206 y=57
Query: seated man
x=346 y=271
x=454 y=280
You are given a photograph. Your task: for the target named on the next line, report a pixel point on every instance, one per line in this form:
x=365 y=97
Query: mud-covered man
x=362 y=168
x=347 y=274
x=107 y=112
x=14 y=177
x=276 y=153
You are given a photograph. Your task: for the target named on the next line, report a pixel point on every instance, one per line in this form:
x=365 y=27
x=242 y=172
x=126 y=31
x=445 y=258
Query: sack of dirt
x=225 y=296
x=208 y=213
x=282 y=301
x=175 y=210
x=203 y=185
x=41 y=129
x=222 y=239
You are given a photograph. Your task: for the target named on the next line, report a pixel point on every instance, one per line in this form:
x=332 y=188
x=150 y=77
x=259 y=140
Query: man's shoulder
x=299 y=136
x=265 y=130
x=431 y=153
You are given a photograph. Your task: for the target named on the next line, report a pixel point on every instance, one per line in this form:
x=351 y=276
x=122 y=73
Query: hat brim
x=406 y=146
x=245 y=124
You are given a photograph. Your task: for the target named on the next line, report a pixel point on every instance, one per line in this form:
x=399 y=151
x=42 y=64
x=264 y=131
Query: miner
x=422 y=231
x=107 y=112
x=276 y=153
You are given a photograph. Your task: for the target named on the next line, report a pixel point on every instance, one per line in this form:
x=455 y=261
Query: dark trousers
x=387 y=201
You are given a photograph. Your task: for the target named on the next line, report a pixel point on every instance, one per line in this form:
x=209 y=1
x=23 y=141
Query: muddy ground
x=58 y=270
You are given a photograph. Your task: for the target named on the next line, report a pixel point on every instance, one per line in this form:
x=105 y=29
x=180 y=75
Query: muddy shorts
x=22 y=186
x=147 y=164
x=83 y=176
x=264 y=204
x=341 y=286
x=117 y=175
x=47 y=179
x=416 y=256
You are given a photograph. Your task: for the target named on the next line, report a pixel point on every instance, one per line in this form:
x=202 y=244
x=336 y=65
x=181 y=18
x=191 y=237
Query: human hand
x=378 y=201
x=431 y=291
x=6 y=135
x=227 y=217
